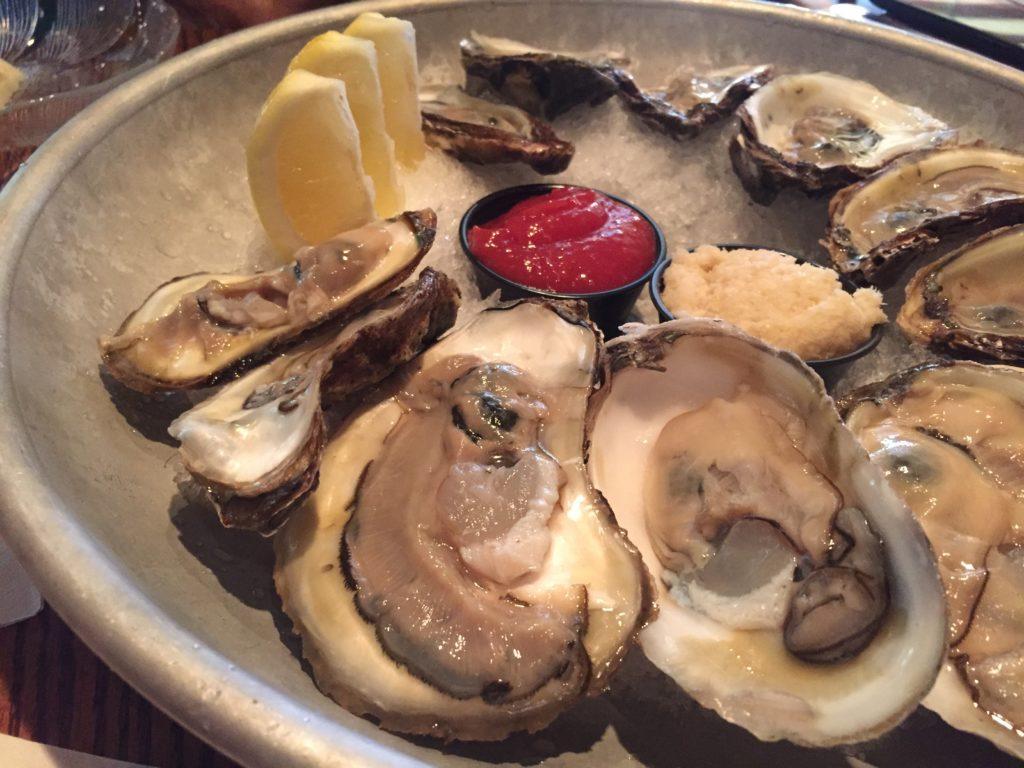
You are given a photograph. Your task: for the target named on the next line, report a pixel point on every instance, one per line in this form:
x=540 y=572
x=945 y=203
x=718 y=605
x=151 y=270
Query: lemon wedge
x=354 y=60
x=304 y=163
x=10 y=81
x=395 y=41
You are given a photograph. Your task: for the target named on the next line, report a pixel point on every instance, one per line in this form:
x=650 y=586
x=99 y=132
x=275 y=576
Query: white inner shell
x=237 y=446
x=748 y=676
x=781 y=103
x=193 y=359
x=229 y=444
x=962 y=499
x=559 y=357
x=909 y=194
x=984 y=286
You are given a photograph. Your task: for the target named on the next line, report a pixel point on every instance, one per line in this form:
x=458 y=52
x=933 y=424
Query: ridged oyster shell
x=971 y=301
x=482 y=131
x=821 y=131
x=949 y=439
x=746 y=436
x=253 y=448
x=689 y=100
x=195 y=330
x=879 y=224
x=544 y=83
x=428 y=675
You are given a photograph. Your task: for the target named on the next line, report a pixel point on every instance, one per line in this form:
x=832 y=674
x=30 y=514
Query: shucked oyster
x=951 y=442
x=689 y=101
x=193 y=330
x=254 y=447
x=971 y=300
x=544 y=83
x=821 y=131
x=484 y=132
x=797 y=596
x=454 y=573
x=879 y=224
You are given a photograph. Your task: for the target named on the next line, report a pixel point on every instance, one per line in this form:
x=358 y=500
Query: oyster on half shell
x=481 y=131
x=797 y=595
x=544 y=83
x=253 y=449
x=950 y=439
x=877 y=225
x=821 y=131
x=689 y=101
x=454 y=573
x=971 y=300
x=193 y=331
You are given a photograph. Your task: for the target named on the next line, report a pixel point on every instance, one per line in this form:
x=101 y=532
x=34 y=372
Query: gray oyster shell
x=544 y=83
x=968 y=302
x=197 y=330
x=480 y=131
x=879 y=224
x=690 y=101
x=820 y=131
x=253 y=449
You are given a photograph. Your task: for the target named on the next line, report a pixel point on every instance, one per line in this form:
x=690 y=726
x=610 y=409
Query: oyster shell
x=194 y=330
x=821 y=131
x=544 y=83
x=454 y=573
x=484 y=132
x=971 y=300
x=254 y=447
x=797 y=596
x=689 y=101
x=877 y=225
x=950 y=439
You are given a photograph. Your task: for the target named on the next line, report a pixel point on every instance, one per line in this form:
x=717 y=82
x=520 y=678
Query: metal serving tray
x=150 y=183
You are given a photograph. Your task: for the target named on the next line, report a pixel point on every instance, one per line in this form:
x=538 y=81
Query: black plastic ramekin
x=608 y=309
x=658 y=283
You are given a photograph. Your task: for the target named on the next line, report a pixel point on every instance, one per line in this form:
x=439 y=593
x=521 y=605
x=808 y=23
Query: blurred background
x=57 y=56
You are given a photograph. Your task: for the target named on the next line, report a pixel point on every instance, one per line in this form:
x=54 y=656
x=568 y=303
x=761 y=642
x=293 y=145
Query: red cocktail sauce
x=569 y=240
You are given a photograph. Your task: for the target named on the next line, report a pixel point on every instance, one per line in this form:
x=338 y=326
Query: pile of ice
x=688 y=187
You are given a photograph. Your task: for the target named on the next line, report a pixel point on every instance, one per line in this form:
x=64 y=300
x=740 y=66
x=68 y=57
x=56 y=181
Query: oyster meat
x=971 y=300
x=194 y=330
x=797 y=595
x=689 y=101
x=454 y=573
x=544 y=83
x=877 y=225
x=481 y=131
x=950 y=439
x=253 y=449
x=821 y=131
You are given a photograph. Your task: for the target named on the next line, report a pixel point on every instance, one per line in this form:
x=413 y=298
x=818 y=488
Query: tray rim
x=251 y=721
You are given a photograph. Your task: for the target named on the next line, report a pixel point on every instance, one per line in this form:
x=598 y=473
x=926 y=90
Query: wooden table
x=54 y=690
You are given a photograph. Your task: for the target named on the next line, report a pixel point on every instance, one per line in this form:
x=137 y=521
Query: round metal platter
x=150 y=183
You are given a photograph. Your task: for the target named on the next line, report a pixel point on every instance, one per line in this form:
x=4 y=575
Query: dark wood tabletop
x=54 y=690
